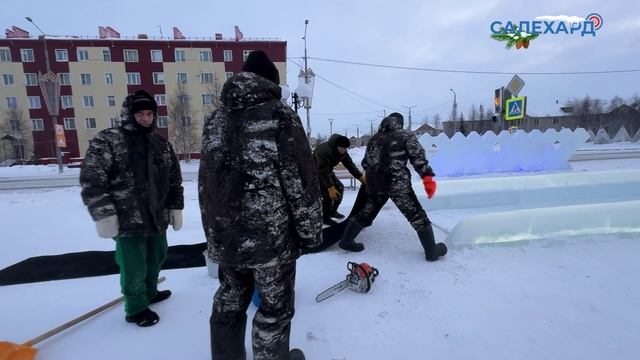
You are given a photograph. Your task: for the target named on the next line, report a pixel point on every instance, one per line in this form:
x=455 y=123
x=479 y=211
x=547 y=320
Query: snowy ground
x=559 y=297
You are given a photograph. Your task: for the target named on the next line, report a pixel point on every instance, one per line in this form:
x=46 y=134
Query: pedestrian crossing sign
x=515 y=108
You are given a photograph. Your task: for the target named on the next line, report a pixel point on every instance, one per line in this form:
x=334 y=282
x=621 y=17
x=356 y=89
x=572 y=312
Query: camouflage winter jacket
x=385 y=159
x=326 y=156
x=258 y=187
x=132 y=172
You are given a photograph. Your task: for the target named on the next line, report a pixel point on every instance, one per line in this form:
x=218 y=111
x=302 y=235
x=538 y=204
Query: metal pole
x=54 y=118
x=409 y=108
x=454 y=112
x=330 y=127
x=306 y=76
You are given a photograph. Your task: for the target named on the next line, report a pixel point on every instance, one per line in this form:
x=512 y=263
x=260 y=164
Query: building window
x=207 y=99
x=536 y=122
x=228 y=56
x=245 y=54
x=65 y=78
x=227 y=75
x=162 y=122
x=114 y=121
x=111 y=101
x=183 y=99
x=160 y=99
x=158 y=78
x=156 y=55
x=85 y=79
x=182 y=78
x=90 y=122
x=131 y=55
x=181 y=56
x=38 y=124
x=34 y=102
x=66 y=101
x=108 y=78
x=555 y=121
x=26 y=55
x=69 y=123
x=7 y=79
x=5 y=55
x=11 y=102
x=87 y=101
x=205 y=55
x=31 y=79
x=206 y=78
x=83 y=54
x=106 y=55
x=62 y=55
x=133 y=78
x=185 y=120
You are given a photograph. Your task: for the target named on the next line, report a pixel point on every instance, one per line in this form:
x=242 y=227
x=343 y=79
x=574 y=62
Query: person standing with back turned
x=260 y=205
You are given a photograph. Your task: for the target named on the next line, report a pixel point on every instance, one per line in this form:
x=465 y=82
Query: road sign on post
x=61 y=141
x=515 y=108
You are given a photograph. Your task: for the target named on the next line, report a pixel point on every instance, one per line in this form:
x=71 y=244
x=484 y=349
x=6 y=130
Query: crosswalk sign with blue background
x=515 y=108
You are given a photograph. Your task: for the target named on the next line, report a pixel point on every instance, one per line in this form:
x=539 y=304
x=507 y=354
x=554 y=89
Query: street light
x=330 y=127
x=454 y=111
x=50 y=87
x=306 y=78
x=409 y=108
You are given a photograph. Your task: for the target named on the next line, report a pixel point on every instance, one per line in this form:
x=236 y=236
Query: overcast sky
x=421 y=34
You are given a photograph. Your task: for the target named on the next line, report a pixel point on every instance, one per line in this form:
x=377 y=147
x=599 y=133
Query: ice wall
x=505 y=152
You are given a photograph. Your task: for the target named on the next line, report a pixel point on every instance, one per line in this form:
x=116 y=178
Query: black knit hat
x=342 y=141
x=141 y=100
x=258 y=63
x=397 y=115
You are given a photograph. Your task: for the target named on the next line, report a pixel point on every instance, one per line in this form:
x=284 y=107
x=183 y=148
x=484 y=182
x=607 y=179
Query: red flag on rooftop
x=112 y=33
x=102 y=32
x=177 y=34
x=238 y=33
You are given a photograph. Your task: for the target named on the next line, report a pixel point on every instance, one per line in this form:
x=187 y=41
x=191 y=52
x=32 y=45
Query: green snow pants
x=140 y=259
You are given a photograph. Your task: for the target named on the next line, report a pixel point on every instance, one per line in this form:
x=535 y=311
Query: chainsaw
x=360 y=278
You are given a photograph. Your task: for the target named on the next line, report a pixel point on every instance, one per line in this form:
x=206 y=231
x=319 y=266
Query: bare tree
x=481 y=113
x=16 y=136
x=473 y=113
x=615 y=103
x=182 y=122
x=635 y=101
x=213 y=93
x=437 y=123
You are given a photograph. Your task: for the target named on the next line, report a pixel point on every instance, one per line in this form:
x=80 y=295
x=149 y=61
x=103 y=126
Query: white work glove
x=108 y=227
x=175 y=219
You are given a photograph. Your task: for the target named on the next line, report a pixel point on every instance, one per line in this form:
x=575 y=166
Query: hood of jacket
x=391 y=123
x=246 y=89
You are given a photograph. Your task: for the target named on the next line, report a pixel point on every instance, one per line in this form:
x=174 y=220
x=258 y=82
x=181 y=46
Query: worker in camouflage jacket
x=385 y=163
x=260 y=205
x=132 y=187
x=327 y=155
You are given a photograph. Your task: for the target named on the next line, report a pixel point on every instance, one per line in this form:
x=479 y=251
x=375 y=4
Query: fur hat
x=397 y=115
x=342 y=141
x=141 y=100
x=258 y=63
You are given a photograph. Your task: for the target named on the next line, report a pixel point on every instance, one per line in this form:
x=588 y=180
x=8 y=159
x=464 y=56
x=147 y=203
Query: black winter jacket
x=258 y=188
x=326 y=156
x=385 y=159
x=132 y=172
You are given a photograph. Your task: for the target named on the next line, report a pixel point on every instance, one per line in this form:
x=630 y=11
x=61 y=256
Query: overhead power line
x=477 y=71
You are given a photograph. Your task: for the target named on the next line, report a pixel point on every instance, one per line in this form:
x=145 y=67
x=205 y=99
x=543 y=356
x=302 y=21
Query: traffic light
x=497 y=100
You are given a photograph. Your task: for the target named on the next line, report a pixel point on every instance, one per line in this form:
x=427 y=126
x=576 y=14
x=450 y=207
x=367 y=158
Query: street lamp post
x=50 y=86
x=309 y=78
x=409 y=108
x=330 y=127
x=454 y=111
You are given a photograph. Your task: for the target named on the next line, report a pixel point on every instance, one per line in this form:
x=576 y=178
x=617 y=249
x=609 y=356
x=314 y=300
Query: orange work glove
x=363 y=180
x=429 y=186
x=333 y=193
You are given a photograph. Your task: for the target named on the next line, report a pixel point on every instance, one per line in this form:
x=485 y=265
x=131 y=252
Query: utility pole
x=330 y=127
x=409 y=108
x=51 y=100
x=454 y=111
x=371 y=121
x=306 y=77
